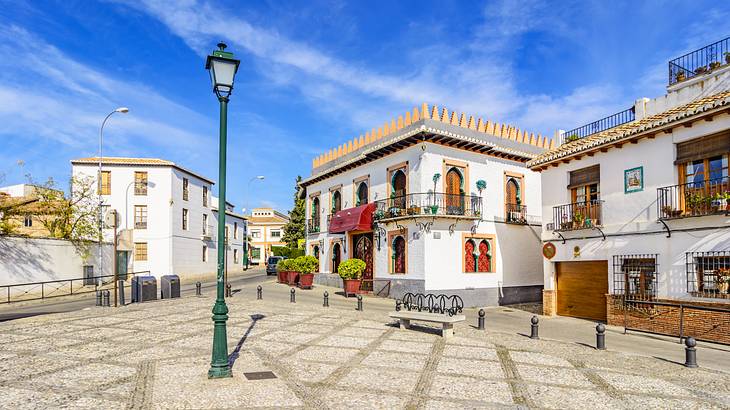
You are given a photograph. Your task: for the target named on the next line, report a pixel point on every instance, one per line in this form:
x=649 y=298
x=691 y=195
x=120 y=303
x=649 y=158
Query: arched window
x=335 y=257
x=315 y=251
x=398 y=189
x=362 y=193
x=399 y=255
x=485 y=256
x=454 y=192
x=336 y=201
x=470 y=261
x=315 y=213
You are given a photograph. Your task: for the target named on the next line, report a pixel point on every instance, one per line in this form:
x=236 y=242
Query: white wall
x=25 y=260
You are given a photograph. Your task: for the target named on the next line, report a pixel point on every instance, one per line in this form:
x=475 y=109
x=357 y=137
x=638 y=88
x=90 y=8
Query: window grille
x=635 y=276
x=708 y=274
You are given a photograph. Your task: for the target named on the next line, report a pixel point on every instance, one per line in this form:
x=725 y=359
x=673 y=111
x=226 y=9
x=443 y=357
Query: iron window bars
x=635 y=276
x=708 y=274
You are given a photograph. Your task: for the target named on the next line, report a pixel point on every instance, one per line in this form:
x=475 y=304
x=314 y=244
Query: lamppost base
x=219 y=372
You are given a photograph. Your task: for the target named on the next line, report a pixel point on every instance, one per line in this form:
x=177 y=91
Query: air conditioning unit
x=170 y=285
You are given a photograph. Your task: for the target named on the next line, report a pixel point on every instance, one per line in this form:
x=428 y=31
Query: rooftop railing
x=578 y=215
x=699 y=61
x=601 y=125
x=697 y=198
x=429 y=203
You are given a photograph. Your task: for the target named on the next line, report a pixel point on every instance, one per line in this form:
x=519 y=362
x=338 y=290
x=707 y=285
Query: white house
x=433 y=202
x=266 y=229
x=167 y=217
x=640 y=208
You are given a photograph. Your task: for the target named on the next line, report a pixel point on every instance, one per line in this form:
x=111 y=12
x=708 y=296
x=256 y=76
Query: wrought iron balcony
x=516 y=214
x=578 y=215
x=700 y=61
x=601 y=125
x=698 y=198
x=313 y=225
x=429 y=204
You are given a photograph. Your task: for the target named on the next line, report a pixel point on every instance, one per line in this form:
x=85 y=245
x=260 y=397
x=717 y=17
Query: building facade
x=265 y=228
x=433 y=202
x=639 y=211
x=167 y=217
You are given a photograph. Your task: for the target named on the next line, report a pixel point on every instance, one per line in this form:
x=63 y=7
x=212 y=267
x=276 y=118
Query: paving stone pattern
x=156 y=356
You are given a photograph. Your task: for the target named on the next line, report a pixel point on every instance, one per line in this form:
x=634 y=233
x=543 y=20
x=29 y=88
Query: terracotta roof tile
x=629 y=129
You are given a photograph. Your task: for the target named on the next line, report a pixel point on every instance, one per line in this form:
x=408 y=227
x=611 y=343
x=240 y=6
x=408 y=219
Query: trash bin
x=170 y=285
x=144 y=288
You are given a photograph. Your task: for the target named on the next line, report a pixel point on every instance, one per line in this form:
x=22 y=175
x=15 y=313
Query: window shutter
x=705 y=147
x=585 y=176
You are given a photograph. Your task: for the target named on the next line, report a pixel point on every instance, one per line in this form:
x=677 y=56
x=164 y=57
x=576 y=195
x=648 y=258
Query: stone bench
x=447 y=322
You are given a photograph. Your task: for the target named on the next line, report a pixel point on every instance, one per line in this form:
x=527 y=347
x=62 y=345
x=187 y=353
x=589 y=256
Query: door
x=122 y=263
x=399 y=189
x=364 y=251
x=336 y=257
x=581 y=289
x=454 y=198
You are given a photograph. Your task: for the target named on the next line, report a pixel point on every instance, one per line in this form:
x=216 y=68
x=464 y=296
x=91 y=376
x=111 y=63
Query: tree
x=74 y=218
x=294 y=229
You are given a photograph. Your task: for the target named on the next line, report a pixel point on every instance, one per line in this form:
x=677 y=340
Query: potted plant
x=434 y=209
x=680 y=76
x=578 y=220
x=727 y=56
x=700 y=70
x=351 y=273
x=572 y=137
x=282 y=270
x=714 y=65
x=307 y=266
x=694 y=202
x=723 y=280
x=671 y=212
x=293 y=273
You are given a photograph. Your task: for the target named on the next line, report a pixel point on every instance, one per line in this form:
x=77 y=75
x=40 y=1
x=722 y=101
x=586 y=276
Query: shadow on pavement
x=234 y=355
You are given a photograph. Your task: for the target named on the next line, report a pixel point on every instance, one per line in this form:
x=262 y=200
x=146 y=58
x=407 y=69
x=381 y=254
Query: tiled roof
x=626 y=131
x=266 y=219
x=136 y=161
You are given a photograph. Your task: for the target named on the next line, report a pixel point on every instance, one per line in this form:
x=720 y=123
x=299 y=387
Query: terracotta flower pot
x=293 y=278
x=351 y=286
x=282 y=276
x=306 y=280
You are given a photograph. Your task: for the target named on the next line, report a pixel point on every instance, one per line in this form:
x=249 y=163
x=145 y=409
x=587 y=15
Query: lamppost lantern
x=222 y=68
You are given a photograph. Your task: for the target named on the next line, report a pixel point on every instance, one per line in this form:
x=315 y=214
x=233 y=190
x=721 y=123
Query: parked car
x=271 y=264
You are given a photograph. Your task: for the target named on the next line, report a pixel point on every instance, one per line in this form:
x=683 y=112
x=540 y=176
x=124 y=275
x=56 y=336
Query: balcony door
x=454 y=192
x=398 y=184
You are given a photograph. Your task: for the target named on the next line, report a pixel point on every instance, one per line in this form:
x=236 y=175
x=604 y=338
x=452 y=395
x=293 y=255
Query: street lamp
x=122 y=110
x=222 y=68
x=245 y=242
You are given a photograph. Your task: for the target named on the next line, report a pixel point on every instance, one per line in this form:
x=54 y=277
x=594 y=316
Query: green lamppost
x=222 y=68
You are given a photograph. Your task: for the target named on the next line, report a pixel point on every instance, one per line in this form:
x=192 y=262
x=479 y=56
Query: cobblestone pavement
x=156 y=355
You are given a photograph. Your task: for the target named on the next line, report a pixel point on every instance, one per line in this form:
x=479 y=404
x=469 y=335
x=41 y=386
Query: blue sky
x=314 y=74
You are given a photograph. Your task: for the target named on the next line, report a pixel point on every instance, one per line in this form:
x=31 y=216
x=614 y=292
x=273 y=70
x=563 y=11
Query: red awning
x=353 y=219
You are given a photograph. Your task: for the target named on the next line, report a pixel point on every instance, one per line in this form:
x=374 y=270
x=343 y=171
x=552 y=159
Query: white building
x=167 y=214
x=266 y=229
x=641 y=209
x=477 y=236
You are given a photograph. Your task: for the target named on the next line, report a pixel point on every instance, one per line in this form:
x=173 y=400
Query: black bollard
x=98 y=298
x=228 y=290
x=259 y=294
x=106 y=299
x=480 y=321
x=690 y=352
x=533 y=328
x=600 y=337
x=198 y=290
x=326 y=302
x=359 y=302
x=293 y=298
x=397 y=305
x=120 y=289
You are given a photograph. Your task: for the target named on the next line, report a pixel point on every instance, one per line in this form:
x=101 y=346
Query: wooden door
x=364 y=251
x=581 y=289
x=454 y=199
x=399 y=189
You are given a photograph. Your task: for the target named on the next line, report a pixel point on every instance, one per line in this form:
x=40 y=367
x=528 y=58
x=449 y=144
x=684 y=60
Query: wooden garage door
x=582 y=288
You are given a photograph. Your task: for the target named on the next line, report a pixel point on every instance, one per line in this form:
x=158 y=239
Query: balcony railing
x=430 y=203
x=579 y=215
x=516 y=213
x=698 y=198
x=601 y=125
x=708 y=274
x=313 y=225
x=699 y=61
